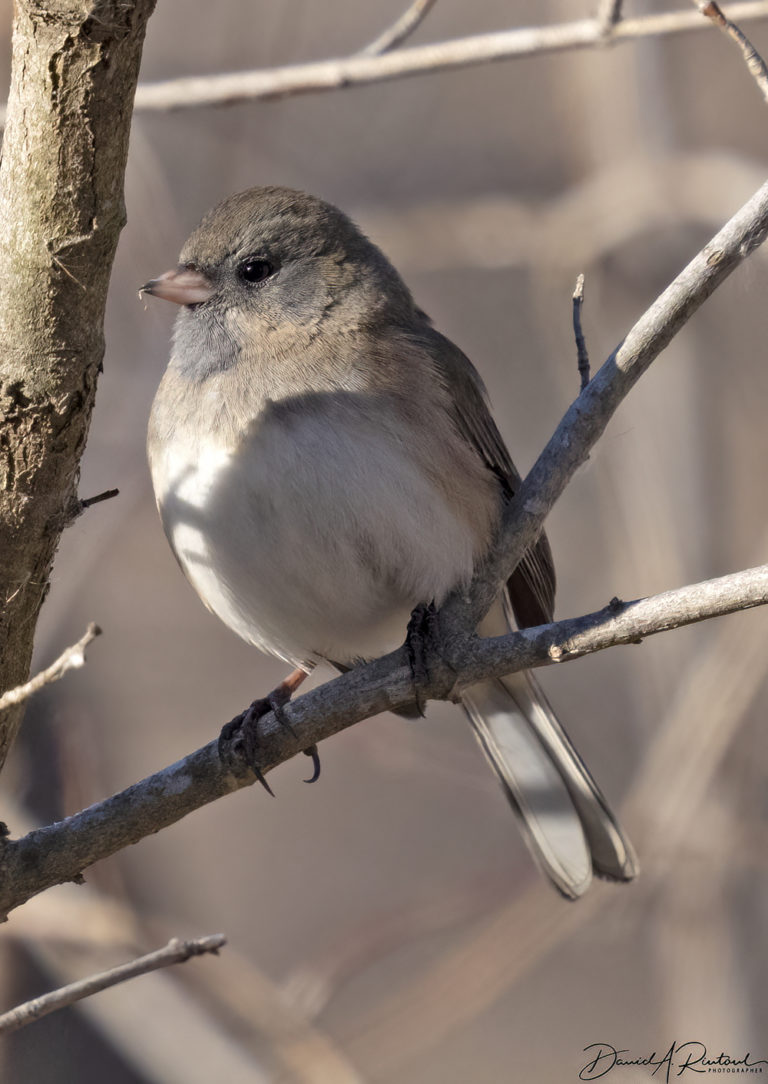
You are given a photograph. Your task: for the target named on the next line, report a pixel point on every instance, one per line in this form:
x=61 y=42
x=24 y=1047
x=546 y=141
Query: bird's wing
x=532 y=585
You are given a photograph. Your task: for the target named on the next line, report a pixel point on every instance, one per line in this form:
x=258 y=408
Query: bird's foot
x=241 y=734
x=419 y=639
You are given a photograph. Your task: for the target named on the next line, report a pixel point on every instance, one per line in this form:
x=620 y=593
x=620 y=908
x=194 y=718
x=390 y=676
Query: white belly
x=311 y=539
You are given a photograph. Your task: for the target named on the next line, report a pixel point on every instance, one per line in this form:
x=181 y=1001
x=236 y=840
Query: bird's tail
x=566 y=821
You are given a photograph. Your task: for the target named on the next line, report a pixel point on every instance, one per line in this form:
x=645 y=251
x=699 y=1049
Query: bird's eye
x=255 y=270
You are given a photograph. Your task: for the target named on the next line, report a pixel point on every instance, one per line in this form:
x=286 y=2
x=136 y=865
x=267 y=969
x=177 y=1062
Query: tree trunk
x=61 y=212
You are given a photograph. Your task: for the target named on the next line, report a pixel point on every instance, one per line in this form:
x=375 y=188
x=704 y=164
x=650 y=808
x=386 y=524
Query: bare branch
x=59 y=852
x=586 y=419
x=752 y=58
x=609 y=14
x=396 y=34
x=175 y=952
x=226 y=89
x=581 y=346
x=70 y=659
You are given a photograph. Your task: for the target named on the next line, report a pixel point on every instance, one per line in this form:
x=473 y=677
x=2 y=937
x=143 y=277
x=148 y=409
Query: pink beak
x=184 y=286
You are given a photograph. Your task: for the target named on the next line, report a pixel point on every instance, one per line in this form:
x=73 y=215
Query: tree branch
x=396 y=34
x=72 y=658
x=359 y=70
x=61 y=851
x=586 y=419
x=175 y=952
x=755 y=63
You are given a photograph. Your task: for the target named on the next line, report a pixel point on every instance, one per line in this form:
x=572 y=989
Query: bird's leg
x=243 y=730
x=418 y=639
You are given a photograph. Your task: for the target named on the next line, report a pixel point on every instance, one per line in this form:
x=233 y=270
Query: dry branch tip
x=72 y=658
x=581 y=346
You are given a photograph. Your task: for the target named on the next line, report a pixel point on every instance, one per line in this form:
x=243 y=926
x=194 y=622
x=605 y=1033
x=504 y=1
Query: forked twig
x=70 y=659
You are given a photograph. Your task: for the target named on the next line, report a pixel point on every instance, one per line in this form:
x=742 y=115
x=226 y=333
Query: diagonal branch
x=587 y=417
x=402 y=28
x=755 y=63
x=175 y=952
x=61 y=851
x=72 y=658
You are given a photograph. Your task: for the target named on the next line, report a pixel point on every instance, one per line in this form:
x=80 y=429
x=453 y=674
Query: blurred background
x=386 y=924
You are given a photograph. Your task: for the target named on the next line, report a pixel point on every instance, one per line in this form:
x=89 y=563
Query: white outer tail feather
x=566 y=820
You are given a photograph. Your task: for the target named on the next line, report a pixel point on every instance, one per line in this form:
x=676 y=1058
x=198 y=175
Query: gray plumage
x=324 y=460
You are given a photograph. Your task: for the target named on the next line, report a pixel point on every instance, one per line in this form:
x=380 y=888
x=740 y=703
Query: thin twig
x=71 y=659
x=752 y=58
x=175 y=952
x=609 y=15
x=107 y=495
x=581 y=346
x=59 y=852
x=401 y=29
x=260 y=85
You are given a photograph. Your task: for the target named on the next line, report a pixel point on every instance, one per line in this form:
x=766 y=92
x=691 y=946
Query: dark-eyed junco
x=325 y=461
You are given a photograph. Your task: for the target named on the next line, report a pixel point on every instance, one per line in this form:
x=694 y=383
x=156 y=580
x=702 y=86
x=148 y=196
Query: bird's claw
x=420 y=633
x=312 y=752
x=241 y=734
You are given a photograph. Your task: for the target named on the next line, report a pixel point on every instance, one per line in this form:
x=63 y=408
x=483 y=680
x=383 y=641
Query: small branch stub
x=107 y=495
x=78 y=506
x=581 y=346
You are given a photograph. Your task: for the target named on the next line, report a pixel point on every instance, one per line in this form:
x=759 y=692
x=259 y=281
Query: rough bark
x=61 y=851
x=75 y=68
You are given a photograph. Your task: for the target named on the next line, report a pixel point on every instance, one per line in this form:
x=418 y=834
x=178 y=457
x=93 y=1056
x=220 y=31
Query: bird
x=325 y=462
